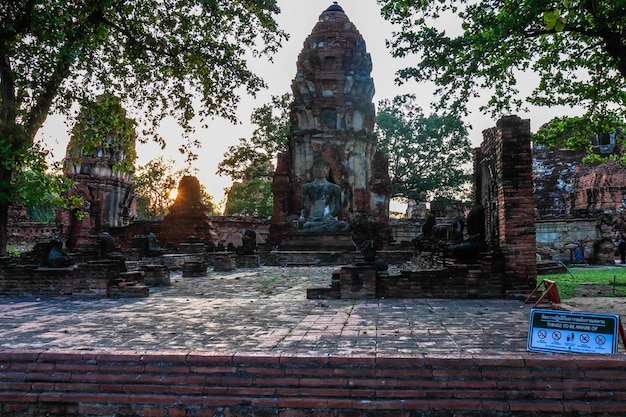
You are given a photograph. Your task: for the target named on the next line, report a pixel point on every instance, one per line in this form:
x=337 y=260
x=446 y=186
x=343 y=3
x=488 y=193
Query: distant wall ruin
x=580 y=208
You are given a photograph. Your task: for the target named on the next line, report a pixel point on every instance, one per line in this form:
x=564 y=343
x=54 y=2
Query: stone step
x=132 y=276
x=128 y=285
x=128 y=291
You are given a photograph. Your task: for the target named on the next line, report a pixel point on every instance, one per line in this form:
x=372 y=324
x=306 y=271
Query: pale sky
x=297 y=17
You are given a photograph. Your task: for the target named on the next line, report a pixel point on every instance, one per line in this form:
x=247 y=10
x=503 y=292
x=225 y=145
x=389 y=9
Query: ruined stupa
x=99 y=160
x=332 y=119
x=188 y=216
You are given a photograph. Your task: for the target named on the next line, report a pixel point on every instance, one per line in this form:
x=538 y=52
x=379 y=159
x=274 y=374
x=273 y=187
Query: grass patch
x=569 y=283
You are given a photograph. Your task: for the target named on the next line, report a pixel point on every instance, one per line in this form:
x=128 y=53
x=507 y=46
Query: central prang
x=332 y=129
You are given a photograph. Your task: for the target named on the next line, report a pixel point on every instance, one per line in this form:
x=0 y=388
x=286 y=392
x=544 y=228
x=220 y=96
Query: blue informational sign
x=569 y=331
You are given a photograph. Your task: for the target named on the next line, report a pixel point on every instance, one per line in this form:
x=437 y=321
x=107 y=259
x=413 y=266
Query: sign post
x=575 y=332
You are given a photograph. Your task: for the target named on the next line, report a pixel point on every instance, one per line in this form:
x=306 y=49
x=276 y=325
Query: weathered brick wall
x=221 y=384
x=21 y=229
x=505 y=187
x=124 y=235
x=452 y=279
x=517 y=212
x=569 y=194
x=28 y=232
x=599 y=188
x=600 y=192
x=557 y=239
x=229 y=228
x=553 y=177
x=90 y=279
x=461 y=280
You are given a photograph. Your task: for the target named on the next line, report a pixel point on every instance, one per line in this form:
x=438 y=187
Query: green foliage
x=251 y=160
x=160 y=55
x=250 y=198
x=154 y=183
x=102 y=125
x=577 y=133
x=42 y=189
x=27 y=160
x=183 y=59
x=252 y=157
x=428 y=155
x=15 y=253
x=576 y=48
x=207 y=200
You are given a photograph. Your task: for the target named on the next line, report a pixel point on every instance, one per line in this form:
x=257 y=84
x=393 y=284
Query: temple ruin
x=104 y=187
x=531 y=201
x=580 y=208
x=332 y=117
x=496 y=256
x=188 y=216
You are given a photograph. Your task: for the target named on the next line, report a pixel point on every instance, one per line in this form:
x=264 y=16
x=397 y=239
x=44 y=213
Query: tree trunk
x=5 y=178
x=4 y=222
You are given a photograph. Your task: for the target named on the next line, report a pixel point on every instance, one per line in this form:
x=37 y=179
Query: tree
x=576 y=133
x=102 y=127
x=42 y=188
x=576 y=48
x=155 y=183
x=252 y=157
x=250 y=198
x=428 y=155
x=207 y=200
x=250 y=162
x=180 y=59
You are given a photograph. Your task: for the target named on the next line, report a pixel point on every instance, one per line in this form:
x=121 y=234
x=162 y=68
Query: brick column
x=516 y=210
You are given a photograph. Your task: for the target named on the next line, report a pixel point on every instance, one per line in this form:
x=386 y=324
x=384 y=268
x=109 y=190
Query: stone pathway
x=263 y=310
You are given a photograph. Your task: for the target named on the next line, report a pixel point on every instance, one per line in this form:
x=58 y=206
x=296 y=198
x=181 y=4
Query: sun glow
x=173 y=194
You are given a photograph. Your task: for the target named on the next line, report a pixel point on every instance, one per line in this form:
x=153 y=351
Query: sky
x=297 y=17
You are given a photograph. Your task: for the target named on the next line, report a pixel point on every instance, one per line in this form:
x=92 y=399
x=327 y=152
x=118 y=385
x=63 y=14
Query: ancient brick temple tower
x=106 y=190
x=332 y=116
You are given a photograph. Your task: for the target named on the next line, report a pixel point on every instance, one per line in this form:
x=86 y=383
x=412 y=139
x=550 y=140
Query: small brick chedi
x=188 y=216
x=332 y=119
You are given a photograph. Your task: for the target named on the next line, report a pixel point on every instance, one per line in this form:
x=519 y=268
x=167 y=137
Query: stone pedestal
x=192 y=248
x=225 y=263
x=357 y=282
x=327 y=241
x=156 y=275
x=248 y=261
x=194 y=269
x=175 y=261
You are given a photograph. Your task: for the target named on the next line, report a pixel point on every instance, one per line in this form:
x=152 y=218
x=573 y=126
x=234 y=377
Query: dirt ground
x=595 y=298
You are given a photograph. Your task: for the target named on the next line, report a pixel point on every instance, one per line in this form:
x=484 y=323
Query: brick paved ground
x=263 y=310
